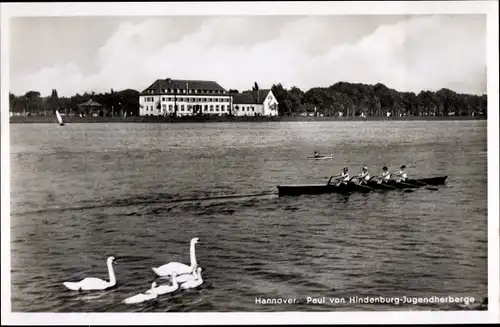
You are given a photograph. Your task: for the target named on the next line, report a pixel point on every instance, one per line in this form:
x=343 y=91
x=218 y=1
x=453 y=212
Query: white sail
x=59 y=118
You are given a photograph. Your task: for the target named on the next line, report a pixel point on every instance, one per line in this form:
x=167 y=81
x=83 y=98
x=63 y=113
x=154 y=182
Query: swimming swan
x=146 y=296
x=91 y=283
x=164 y=289
x=177 y=267
x=195 y=282
x=187 y=277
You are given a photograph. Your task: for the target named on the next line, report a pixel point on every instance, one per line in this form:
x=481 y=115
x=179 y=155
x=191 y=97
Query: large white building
x=255 y=103
x=184 y=98
x=167 y=97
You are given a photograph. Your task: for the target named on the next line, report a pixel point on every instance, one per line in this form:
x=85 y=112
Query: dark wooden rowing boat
x=295 y=190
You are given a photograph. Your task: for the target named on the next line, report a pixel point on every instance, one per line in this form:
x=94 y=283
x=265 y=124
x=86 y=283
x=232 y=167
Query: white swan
x=164 y=289
x=177 y=267
x=187 y=277
x=146 y=296
x=195 y=282
x=91 y=283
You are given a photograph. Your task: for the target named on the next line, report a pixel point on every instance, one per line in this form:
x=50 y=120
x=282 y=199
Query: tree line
x=114 y=103
x=342 y=98
x=355 y=99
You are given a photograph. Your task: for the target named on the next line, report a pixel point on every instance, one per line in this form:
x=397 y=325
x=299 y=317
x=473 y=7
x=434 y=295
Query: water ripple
x=131 y=191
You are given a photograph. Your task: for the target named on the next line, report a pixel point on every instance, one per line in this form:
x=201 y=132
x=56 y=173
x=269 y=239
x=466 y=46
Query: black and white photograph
x=250 y=162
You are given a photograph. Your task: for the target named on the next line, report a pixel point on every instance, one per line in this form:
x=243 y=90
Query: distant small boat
x=59 y=118
x=321 y=157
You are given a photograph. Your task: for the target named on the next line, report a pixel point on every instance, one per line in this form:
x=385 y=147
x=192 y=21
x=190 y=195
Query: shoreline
x=225 y=119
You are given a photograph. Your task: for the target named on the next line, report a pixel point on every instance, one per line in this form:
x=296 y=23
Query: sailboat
x=59 y=118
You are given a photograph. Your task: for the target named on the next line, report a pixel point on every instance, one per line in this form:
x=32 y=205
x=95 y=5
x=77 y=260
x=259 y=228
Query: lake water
x=140 y=192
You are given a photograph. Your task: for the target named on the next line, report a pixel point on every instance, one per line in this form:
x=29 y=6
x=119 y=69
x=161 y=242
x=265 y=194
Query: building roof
x=160 y=85
x=250 y=97
x=90 y=103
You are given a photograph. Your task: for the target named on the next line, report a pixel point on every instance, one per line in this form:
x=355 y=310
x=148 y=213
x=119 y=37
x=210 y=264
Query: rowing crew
x=364 y=176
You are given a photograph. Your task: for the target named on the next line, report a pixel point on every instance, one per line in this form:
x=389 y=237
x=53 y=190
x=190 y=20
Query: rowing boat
x=320 y=158
x=301 y=189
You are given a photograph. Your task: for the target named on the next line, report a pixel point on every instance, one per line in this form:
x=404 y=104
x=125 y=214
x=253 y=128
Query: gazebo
x=90 y=107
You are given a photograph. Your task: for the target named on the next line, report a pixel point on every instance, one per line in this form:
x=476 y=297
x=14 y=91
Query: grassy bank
x=70 y=120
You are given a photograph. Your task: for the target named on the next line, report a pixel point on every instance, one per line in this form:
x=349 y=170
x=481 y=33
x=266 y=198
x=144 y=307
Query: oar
x=414 y=186
x=328 y=183
x=362 y=186
x=387 y=186
x=336 y=177
x=427 y=186
x=406 y=184
x=405 y=190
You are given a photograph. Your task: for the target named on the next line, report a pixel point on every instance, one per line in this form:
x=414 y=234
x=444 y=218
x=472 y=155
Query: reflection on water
x=141 y=192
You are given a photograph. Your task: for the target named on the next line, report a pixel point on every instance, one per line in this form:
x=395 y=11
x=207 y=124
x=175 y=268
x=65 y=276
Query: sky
x=404 y=52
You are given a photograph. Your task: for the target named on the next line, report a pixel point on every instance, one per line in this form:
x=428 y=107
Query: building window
x=164 y=107
x=211 y=107
x=217 y=108
x=163 y=99
x=190 y=107
x=253 y=109
x=222 y=108
x=182 y=107
x=170 y=107
x=216 y=99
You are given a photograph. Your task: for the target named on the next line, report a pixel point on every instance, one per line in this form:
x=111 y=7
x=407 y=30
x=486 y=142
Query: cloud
x=406 y=53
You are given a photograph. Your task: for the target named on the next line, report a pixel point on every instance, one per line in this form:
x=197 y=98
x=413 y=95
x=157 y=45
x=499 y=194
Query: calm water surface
x=140 y=192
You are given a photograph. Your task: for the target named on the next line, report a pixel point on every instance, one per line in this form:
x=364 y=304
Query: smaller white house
x=255 y=103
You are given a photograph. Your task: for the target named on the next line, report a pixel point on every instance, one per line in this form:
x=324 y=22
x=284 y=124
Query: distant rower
x=316 y=154
x=364 y=175
x=385 y=177
x=402 y=175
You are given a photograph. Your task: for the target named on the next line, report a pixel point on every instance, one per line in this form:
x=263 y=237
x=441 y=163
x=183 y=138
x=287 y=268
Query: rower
x=364 y=176
x=316 y=154
x=385 y=177
x=402 y=175
x=342 y=177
